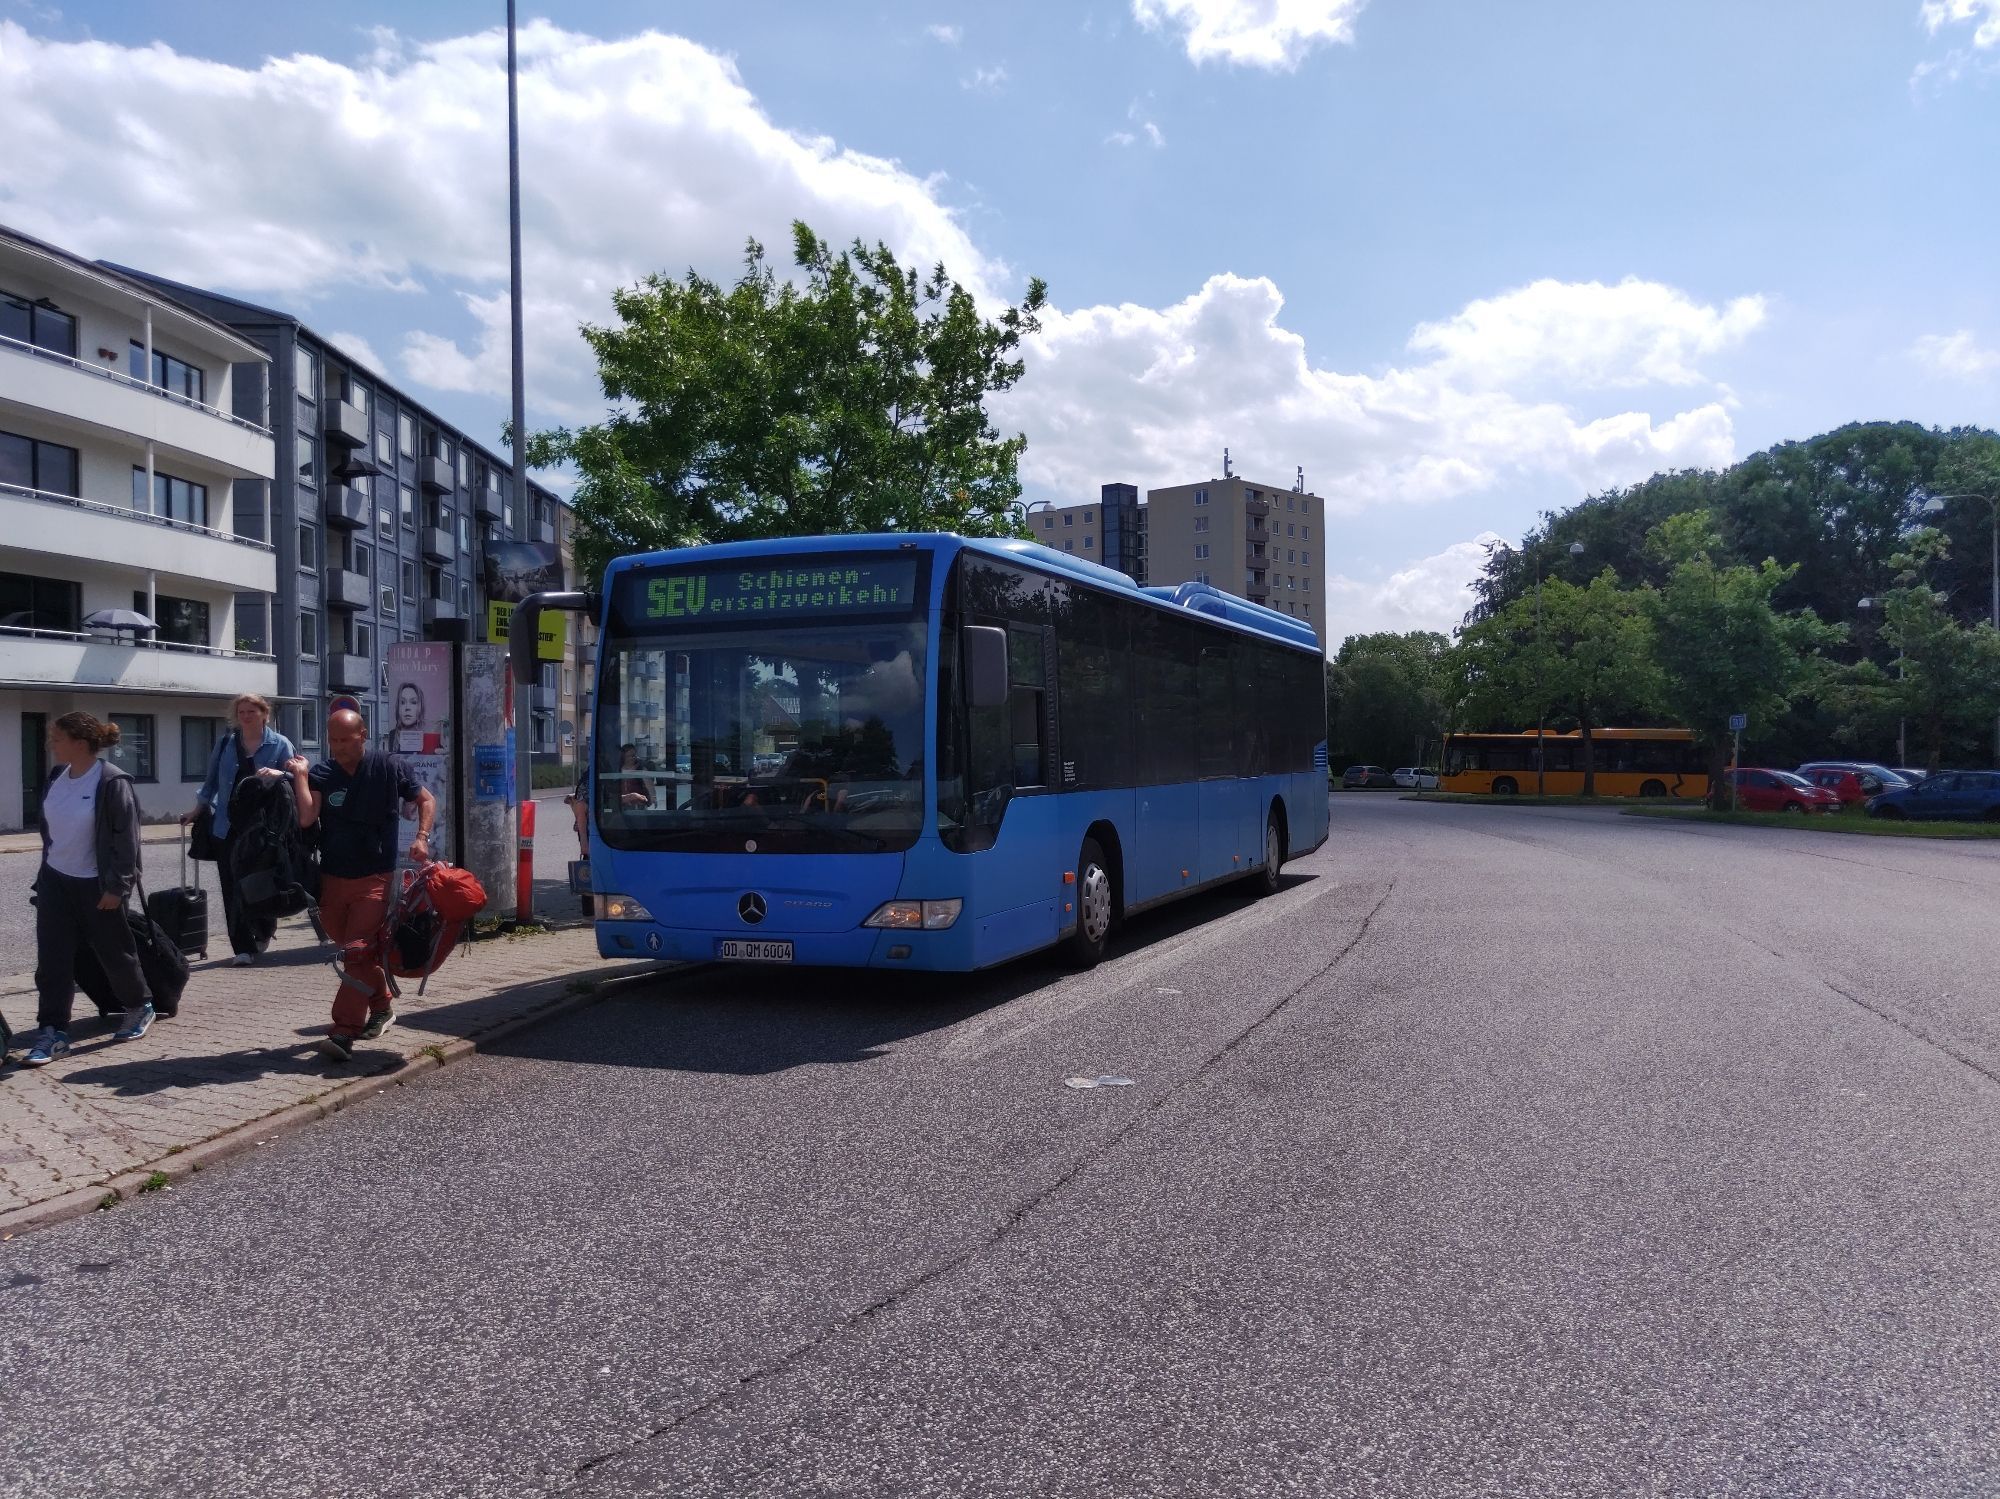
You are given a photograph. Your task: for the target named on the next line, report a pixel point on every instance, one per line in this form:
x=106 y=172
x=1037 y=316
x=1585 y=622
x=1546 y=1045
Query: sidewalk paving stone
x=241 y=1050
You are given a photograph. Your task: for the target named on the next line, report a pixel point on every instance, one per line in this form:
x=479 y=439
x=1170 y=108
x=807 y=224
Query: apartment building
x=1112 y=531
x=137 y=573
x=381 y=513
x=1254 y=540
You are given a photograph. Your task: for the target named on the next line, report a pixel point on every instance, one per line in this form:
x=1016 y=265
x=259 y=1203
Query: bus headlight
x=916 y=915
x=621 y=908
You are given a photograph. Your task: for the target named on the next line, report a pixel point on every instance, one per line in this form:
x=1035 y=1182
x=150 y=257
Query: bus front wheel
x=1265 y=880
x=1653 y=788
x=1505 y=786
x=1094 y=907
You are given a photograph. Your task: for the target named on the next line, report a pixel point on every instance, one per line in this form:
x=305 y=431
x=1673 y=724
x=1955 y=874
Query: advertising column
x=485 y=755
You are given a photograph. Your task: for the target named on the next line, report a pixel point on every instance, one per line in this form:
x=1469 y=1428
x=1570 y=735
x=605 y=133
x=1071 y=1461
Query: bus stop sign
x=1738 y=722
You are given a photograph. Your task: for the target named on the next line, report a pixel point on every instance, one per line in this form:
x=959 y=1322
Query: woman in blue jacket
x=255 y=749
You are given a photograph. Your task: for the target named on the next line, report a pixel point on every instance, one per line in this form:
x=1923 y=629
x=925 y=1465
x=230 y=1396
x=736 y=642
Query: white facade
x=122 y=492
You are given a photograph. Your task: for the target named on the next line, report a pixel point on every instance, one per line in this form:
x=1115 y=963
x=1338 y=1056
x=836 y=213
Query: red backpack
x=425 y=921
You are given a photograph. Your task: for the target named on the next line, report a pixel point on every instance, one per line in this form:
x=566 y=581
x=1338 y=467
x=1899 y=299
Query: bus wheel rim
x=1096 y=903
x=1271 y=847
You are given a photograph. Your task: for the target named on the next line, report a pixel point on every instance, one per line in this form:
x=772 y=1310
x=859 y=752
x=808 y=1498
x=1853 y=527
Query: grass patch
x=1838 y=822
x=435 y=1052
x=1476 y=799
x=154 y=1182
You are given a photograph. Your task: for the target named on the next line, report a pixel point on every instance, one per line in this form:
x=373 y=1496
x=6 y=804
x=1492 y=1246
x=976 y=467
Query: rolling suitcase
x=183 y=912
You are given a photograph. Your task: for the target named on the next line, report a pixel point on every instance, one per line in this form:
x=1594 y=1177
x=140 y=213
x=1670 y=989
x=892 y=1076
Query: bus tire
x=1653 y=788
x=1505 y=787
x=1265 y=881
x=1096 y=907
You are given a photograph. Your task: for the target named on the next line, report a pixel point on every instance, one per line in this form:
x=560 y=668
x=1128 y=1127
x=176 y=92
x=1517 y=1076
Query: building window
x=1291 y=502
x=305 y=372
x=308 y=548
x=385 y=447
x=37 y=323
x=169 y=373
x=133 y=753
x=464 y=534
x=406 y=435
x=364 y=638
x=1290 y=529
x=1200 y=550
x=306 y=458
x=1048 y=523
x=173 y=499
x=308 y=633
x=198 y=740
x=1089 y=542
x=407 y=500
x=1290 y=555
x=465 y=600
x=1201 y=523
x=1306 y=534
x=357 y=558
x=1306 y=558
x=28 y=603
x=1069 y=546
x=182 y=621
x=386 y=597
x=1201 y=497
x=32 y=464
x=568 y=681
x=1068 y=519
x=1306 y=505
x=409 y=582
x=253 y=613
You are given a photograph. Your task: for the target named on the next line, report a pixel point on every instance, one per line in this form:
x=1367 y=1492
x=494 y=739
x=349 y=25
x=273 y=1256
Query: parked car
x=1416 y=778
x=1365 y=775
x=1759 y=790
x=1962 y=795
x=1853 y=781
x=1910 y=773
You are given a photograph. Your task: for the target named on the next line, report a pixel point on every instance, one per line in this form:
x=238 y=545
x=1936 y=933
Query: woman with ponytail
x=90 y=863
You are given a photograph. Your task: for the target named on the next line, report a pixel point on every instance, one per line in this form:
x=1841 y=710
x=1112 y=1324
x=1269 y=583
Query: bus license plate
x=755 y=952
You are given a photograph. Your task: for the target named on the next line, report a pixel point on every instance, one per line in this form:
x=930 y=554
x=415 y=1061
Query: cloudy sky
x=1462 y=262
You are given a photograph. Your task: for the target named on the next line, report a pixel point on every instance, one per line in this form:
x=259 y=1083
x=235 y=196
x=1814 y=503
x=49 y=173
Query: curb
x=182 y=1164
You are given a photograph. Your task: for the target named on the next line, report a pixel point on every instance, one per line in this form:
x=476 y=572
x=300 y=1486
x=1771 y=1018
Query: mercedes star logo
x=751 y=908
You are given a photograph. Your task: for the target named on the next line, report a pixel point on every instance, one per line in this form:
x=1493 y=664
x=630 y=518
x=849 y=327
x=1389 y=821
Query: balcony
x=56 y=658
x=354 y=463
x=60 y=525
x=103 y=401
x=346 y=590
x=347 y=507
x=344 y=424
x=490 y=506
x=347 y=672
x=435 y=475
x=438 y=545
x=441 y=612
x=1257 y=507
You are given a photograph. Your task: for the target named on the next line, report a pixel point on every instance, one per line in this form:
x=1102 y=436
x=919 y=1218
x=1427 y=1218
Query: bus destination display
x=819 y=590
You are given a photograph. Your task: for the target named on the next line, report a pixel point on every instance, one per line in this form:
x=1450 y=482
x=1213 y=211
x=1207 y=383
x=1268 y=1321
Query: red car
x=1781 y=791
x=1853 y=784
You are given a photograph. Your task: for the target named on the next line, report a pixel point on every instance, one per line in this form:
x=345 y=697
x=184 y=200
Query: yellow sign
x=548 y=639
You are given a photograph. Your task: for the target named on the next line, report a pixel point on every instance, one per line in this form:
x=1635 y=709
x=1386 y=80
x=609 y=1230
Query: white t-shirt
x=71 y=808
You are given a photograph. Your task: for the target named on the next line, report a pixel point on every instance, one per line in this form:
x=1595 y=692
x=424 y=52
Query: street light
x=1902 y=725
x=1541 y=708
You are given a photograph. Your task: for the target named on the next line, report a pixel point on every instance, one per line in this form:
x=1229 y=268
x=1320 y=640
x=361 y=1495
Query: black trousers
x=66 y=919
x=251 y=934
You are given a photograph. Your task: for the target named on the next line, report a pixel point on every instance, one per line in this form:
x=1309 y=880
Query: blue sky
x=1463 y=262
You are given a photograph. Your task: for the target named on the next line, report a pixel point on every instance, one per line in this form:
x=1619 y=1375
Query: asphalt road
x=1505 y=1151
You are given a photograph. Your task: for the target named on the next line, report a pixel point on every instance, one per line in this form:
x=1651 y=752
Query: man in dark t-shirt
x=354 y=797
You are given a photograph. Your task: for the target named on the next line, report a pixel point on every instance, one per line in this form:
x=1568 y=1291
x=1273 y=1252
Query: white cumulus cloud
x=1431 y=593
x=358 y=348
x=949 y=35
x=1956 y=354
x=1984 y=14
x=305 y=175
x=1272 y=34
x=1154 y=394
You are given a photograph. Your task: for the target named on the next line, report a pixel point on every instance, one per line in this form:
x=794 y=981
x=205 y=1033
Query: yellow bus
x=1630 y=762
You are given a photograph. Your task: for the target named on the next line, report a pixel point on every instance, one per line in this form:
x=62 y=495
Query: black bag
x=275 y=869
x=165 y=969
x=183 y=911
x=202 y=843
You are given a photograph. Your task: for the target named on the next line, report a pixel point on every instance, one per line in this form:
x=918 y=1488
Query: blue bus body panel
x=1166 y=837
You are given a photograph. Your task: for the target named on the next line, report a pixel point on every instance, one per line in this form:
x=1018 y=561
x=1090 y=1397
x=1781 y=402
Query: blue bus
x=933 y=752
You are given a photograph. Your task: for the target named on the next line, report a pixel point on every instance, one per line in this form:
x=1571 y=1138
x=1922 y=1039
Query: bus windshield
x=800 y=731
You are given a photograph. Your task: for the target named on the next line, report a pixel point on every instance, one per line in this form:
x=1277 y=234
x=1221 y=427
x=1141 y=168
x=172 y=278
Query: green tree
x=1721 y=647
x=1599 y=657
x=850 y=400
x=1382 y=697
x=1947 y=684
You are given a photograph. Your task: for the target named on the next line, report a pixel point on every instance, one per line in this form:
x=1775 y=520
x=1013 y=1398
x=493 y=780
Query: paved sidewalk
x=95 y=1125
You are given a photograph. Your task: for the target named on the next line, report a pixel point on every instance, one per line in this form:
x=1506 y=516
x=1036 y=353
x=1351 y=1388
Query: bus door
x=1225 y=795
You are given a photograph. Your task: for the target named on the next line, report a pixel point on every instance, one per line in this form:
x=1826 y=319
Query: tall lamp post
x=524 y=742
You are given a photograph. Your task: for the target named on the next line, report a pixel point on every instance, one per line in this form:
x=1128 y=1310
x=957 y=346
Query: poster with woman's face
x=419 y=728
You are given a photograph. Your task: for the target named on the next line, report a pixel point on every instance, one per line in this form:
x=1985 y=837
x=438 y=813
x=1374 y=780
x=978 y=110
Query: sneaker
x=242 y=960
x=49 y=1044
x=137 y=1023
x=378 y=1022
x=336 y=1049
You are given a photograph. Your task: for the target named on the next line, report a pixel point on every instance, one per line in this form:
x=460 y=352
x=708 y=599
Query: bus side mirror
x=985 y=666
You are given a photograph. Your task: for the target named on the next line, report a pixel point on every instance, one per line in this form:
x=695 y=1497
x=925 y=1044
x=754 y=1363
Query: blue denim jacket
x=274 y=752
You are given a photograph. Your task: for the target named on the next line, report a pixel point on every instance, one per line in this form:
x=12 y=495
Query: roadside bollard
x=524 y=872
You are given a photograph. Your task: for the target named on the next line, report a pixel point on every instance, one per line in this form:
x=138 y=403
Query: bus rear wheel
x=1265 y=880
x=1653 y=788
x=1505 y=786
x=1095 y=907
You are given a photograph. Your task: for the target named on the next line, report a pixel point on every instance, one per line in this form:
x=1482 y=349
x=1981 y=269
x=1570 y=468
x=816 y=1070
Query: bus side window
x=1027 y=673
